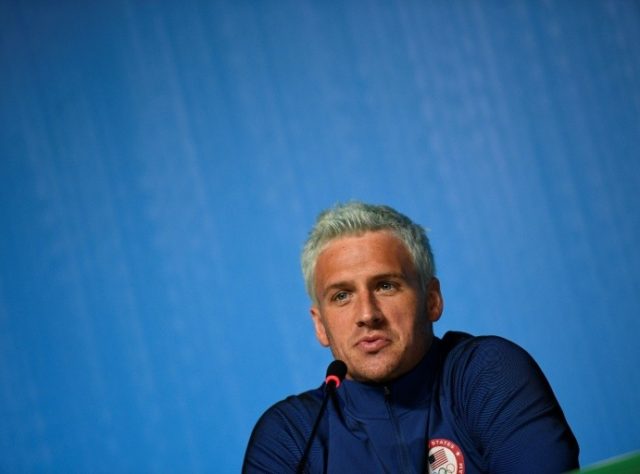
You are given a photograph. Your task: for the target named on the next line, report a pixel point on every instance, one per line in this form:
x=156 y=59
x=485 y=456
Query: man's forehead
x=344 y=239
x=374 y=252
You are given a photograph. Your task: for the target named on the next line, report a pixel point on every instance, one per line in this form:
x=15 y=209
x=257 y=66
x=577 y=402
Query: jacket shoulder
x=505 y=405
x=279 y=436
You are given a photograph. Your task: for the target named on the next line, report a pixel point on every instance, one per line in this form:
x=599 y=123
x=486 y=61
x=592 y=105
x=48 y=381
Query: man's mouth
x=372 y=344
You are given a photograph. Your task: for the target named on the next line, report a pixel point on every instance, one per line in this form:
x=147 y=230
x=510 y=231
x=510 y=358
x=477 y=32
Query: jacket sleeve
x=510 y=411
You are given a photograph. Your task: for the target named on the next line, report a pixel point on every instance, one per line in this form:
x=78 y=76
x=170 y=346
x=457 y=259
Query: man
x=412 y=402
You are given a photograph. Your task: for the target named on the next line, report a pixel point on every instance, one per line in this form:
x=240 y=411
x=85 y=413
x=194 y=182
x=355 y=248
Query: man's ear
x=434 y=300
x=321 y=332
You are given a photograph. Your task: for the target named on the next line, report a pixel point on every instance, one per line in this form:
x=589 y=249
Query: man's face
x=371 y=310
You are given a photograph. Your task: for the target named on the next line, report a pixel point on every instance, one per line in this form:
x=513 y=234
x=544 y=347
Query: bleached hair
x=355 y=218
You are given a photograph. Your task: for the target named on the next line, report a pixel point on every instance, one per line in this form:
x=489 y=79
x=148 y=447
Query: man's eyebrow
x=398 y=275
x=334 y=286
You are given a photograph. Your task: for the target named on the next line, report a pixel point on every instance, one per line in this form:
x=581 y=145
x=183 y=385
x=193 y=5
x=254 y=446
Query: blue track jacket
x=472 y=405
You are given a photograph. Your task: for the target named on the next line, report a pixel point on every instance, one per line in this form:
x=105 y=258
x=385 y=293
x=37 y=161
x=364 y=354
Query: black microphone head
x=336 y=372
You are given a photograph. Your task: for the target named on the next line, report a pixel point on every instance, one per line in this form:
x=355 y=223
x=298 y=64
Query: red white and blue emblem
x=445 y=457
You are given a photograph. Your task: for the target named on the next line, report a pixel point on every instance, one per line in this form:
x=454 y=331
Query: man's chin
x=377 y=374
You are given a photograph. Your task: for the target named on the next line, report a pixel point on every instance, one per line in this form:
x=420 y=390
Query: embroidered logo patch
x=445 y=457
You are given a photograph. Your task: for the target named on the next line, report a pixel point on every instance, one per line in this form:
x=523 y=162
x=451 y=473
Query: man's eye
x=340 y=296
x=386 y=286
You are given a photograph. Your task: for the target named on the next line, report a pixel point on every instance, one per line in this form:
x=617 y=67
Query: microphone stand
x=336 y=372
x=329 y=391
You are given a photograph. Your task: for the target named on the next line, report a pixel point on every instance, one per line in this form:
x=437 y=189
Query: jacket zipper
x=404 y=456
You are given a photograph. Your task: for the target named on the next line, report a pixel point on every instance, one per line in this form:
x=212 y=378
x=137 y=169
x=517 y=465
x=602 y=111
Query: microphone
x=336 y=372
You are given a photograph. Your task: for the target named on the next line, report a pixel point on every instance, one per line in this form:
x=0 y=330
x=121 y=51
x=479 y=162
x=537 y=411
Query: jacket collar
x=408 y=392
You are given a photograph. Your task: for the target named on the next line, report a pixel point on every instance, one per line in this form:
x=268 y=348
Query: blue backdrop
x=162 y=162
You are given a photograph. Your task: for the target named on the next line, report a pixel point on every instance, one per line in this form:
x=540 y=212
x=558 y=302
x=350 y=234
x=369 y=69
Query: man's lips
x=372 y=343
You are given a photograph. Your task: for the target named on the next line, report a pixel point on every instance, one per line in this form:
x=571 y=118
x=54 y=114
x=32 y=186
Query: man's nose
x=369 y=313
